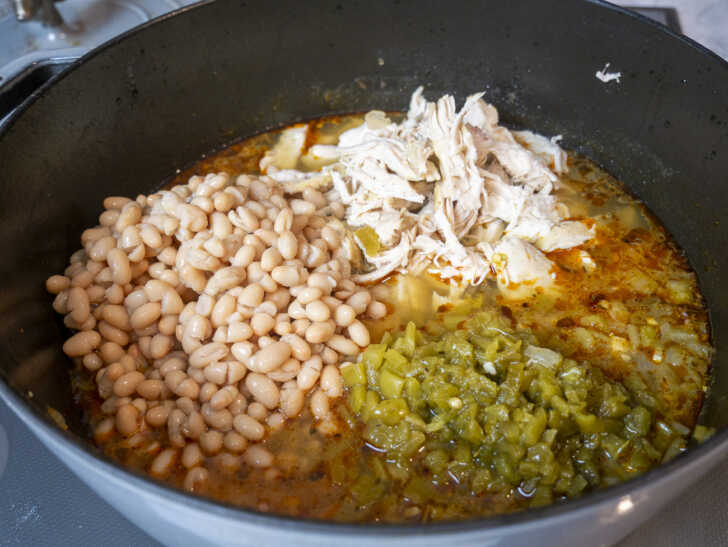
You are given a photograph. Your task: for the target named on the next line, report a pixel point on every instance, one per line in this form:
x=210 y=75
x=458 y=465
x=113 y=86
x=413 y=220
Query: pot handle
x=24 y=84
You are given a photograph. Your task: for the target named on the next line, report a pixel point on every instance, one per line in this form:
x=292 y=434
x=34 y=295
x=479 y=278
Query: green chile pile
x=209 y=312
x=468 y=401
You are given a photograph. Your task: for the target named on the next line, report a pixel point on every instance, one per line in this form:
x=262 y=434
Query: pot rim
x=703 y=456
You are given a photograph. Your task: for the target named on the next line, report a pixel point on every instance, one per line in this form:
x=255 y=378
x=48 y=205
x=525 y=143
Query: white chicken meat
x=451 y=192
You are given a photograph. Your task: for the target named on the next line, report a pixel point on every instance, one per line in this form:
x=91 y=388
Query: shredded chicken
x=451 y=192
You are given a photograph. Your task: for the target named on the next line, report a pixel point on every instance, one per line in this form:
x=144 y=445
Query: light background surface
x=44 y=504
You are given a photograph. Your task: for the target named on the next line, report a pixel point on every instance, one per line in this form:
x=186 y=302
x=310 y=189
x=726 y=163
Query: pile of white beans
x=214 y=309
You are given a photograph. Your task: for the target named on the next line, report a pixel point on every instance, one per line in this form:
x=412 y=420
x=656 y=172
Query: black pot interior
x=127 y=116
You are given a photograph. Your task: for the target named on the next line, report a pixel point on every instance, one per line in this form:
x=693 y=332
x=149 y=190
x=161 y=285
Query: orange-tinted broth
x=314 y=472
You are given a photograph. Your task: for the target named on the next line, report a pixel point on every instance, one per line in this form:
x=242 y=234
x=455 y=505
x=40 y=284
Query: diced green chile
x=468 y=400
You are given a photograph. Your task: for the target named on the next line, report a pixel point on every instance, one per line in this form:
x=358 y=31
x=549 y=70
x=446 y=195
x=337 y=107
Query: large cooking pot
x=127 y=115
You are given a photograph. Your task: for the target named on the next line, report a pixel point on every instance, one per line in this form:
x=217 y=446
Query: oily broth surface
x=244 y=156
x=633 y=317
x=640 y=308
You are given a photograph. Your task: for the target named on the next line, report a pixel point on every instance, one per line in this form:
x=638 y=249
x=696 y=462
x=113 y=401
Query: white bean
x=78 y=305
x=283 y=221
x=299 y=347
x=285 y=275
x=270 y=357
x=223 y=397
x=120 y=267
x=82 y=343
x=145 y=315
x=360 y=301
x=320 y=405
x=331 y=382
x=359 y=334
x=239 y=332
x=320 y=332
x=317 y=311
x=208 y=353
x=342 y=345
x=263 y=389
x=248 y=427
x=242 y=351
x=244 y=256
x=262 y=323
x=309 y=374
x=257 y=456
x=344 y=315
x=288 y=245
x=270 y=258
x=163 y=463
x=252 y=295
x=292 y=401
x=57 y=283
